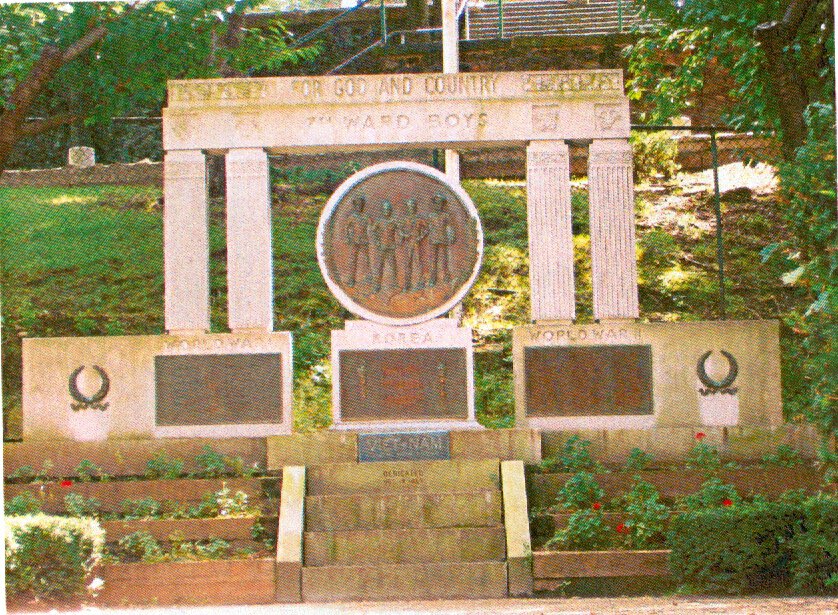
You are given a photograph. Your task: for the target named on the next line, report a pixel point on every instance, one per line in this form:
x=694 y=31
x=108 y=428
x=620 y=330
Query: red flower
x=597 y=506
x=622 y=528
x=700 y=436
x=727 y=502
x=66 y=483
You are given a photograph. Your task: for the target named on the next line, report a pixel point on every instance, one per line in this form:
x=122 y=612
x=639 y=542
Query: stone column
x=451 y=64
x=186 y=242
x=613 y=257
x=249 y=259
x=550 y=232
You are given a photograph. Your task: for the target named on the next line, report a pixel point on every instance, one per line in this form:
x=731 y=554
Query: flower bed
x=111 y=494
x=237 y=530
x=672 y=484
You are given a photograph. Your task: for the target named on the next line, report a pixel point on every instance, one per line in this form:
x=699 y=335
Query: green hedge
x=787 y=544
x=51 y=556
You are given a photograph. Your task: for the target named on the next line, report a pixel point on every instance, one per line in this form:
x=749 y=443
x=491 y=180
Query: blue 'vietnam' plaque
x=407 y=446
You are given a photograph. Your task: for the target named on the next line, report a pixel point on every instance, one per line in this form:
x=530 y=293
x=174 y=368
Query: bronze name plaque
x=588 y=380
x=398 y=243
x=218 y=389
x=420 y=383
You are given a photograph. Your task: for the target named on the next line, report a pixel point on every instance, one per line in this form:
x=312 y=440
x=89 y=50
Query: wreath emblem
x=712 y=385
x=83 y=402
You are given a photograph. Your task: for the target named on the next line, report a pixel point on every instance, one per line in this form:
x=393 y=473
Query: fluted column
x=185 y=242
x=249 y=260
x=550 y=233
x=613 y=256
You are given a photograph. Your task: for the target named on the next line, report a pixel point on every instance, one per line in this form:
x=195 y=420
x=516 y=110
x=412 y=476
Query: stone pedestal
x=614 y=376
x=249 y=264
x=613 y=257
x=418 y=377
x=186 y=242
x=550 y=232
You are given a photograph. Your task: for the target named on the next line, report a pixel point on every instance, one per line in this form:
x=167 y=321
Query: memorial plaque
x=588 y=380
x=419 y=383
x=218 y=389
x=407 y=446
x=398 y=243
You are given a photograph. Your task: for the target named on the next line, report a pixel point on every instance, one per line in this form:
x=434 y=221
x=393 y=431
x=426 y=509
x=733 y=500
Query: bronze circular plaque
x=398 y=243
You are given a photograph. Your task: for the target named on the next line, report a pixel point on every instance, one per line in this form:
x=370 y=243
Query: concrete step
x=437 y=545
x=403 y=476
x=405 y=581
x=403 y=510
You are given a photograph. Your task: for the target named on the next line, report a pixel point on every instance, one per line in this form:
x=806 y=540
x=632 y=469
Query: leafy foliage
x=785 y=457
x=163 y=466
x=51 y=556
x=638 y=460
x=25 y=503
x=580 y=491
x=586 y=530
x=573 y=456
x=757 y=546
x=703 y=456
x=646 y=516
x=655 y=154
x=76 y=505
x=713 y=494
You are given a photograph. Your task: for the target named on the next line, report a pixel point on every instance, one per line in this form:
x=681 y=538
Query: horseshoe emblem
x=718 y=385
x=93 y=401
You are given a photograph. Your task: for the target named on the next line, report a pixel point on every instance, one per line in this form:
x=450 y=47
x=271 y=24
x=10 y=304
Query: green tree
x=65 y=63
x=779 y=52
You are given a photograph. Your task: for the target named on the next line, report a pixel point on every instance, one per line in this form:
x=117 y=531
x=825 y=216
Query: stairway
x=404 y=530
x=554 y=18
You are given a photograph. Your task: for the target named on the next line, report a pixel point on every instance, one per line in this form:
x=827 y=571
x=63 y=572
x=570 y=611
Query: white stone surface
x=380 y=111
x=552 y=290
x=676 y=388
x=249 y=258
x=81 y=156
x=336 y=198
x=129 y=364
x=613 y=255
x=365 y=335
x=186 y=242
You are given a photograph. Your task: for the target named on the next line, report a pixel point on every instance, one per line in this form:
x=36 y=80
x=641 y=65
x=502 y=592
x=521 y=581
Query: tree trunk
x=418 y=14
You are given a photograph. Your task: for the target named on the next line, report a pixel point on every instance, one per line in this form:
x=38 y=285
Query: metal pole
x=619 y=15
x=500 y=18
x=717 y=204
x=383 y=24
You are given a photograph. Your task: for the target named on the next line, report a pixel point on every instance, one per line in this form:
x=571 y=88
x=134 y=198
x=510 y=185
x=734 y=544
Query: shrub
x=814 y=564
x=655 y=153
x=580 y=491
x=211 y=463
x=646 y=516
x=573 y=457
x=638 y=460
x=51 y=556
x=222 y=504
x=140 y=546
x=712 y=494
x=785 y=457
x=585 y=531
x=86 y=471
x=77 y=505
x=735 y=549
x=704 y=456
x=146 y=508
x=163 y=466
x=25 y=503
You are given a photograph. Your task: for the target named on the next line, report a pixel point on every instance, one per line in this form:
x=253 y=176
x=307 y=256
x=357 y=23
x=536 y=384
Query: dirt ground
x=536 y=606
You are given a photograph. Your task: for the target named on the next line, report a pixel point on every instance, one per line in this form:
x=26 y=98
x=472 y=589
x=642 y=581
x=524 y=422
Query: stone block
x=689 y=372
x=405 y=581
x=524 y=444
x=517 y=526
x=98 y=388
x=82 y=157
x=307 y=449
x=404 y=546
x=403 y=476
x=368 y=511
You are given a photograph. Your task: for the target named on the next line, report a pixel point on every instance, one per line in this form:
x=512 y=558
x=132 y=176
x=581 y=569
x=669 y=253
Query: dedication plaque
x=218 y=389
x=399 y=244
x=579 y=381
x=416 y=383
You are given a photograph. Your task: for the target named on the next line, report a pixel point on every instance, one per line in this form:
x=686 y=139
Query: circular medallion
x=398 y=243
